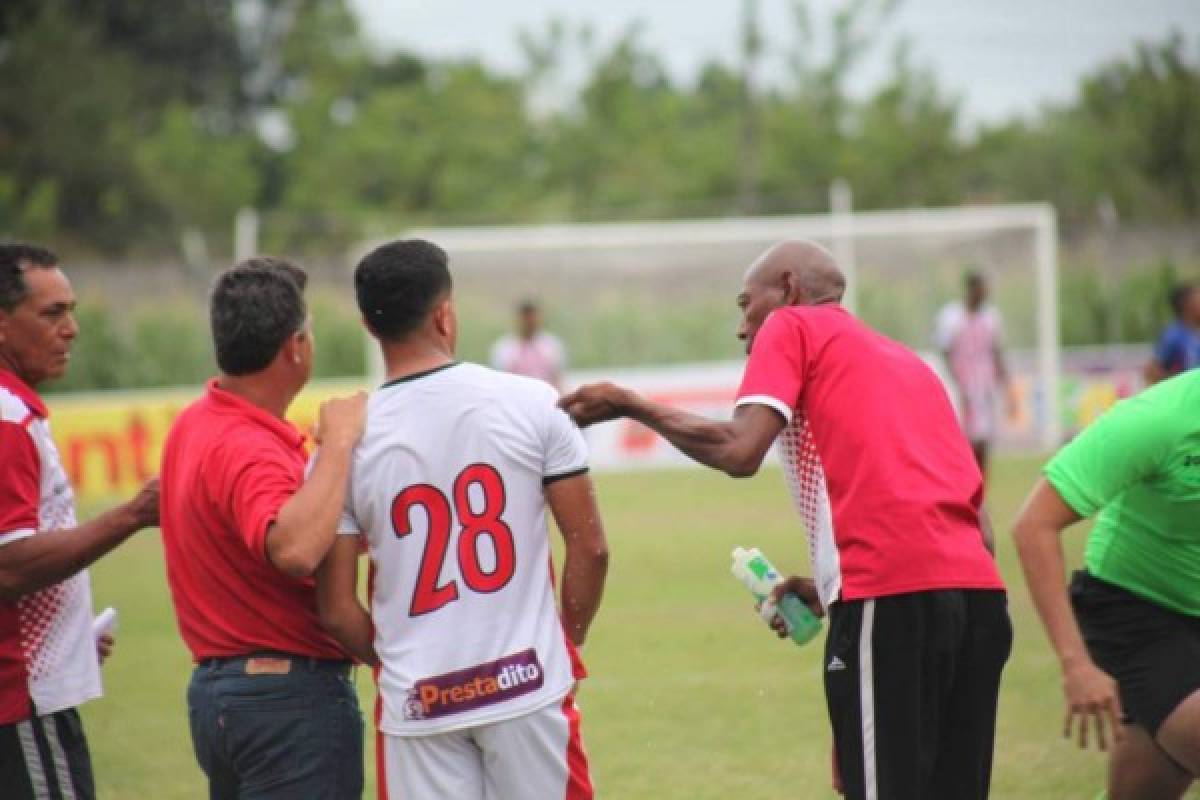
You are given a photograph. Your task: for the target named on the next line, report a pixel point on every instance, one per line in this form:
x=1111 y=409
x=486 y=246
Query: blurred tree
x=196 y=177
x=1132 y=135
x=903 y=147
x=810 y=122
x=148 y=117
x=68 y=119
x=1149 y=111
x=188 y=52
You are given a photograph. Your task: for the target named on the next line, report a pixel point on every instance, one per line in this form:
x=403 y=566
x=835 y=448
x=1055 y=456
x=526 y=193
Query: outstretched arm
x=736 y=447
x=36 y=562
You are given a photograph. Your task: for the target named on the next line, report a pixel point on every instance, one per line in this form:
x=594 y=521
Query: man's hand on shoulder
x=341 y=421
x=596 y=402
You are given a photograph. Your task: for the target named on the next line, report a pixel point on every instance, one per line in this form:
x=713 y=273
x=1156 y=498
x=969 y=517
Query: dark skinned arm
x=737 y=447
x=50 y=557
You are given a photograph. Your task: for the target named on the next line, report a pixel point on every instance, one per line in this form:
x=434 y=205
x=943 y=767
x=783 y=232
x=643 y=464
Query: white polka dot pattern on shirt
x=806 y=481
x=55 y=622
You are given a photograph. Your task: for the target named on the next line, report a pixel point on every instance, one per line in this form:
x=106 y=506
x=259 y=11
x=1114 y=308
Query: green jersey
x=1139 y=466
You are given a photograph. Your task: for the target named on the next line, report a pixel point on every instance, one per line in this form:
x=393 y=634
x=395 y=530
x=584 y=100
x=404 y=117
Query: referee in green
x=1130 y=652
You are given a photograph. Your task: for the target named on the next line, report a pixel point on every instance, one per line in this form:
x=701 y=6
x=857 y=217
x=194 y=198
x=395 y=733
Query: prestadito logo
x=475 y=687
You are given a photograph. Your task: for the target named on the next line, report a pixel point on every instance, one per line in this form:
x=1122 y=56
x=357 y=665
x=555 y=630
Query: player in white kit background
x=476 y=669
x=970 y=335
x=531 y=351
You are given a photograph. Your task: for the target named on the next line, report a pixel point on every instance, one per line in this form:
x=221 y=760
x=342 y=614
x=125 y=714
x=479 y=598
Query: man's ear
x=291 y=350
x=443 y=317
x=793 y=295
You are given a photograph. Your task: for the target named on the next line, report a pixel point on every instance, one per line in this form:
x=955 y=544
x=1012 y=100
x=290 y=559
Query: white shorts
x=979 y=414
x=537 y=756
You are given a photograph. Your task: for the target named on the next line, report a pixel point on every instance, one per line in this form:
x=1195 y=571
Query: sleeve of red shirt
x=775 y=372
x=259 y=483
x=20 y=483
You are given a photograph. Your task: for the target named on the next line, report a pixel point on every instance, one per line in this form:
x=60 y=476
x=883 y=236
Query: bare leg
x=1179 y=734
x=1138 y=769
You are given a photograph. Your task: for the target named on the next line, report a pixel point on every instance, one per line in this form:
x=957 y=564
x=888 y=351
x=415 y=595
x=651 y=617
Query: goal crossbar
x=839 y=229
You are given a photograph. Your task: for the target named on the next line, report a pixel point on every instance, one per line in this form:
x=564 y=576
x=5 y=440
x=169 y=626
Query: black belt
x=275 y=663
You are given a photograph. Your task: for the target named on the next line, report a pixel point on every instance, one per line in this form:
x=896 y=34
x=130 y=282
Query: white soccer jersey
x=447 y=485
x=969 y=340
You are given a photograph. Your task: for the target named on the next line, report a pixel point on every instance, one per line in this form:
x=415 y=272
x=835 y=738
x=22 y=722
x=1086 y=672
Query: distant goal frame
x=840 y=229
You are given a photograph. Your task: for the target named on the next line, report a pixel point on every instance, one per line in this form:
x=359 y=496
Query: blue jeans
x=276 y=736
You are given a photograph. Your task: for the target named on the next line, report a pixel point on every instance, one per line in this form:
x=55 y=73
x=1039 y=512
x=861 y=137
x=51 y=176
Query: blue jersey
x=1178 y=348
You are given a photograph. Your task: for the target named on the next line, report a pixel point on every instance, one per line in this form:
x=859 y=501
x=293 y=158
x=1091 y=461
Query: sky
x=1001 y=58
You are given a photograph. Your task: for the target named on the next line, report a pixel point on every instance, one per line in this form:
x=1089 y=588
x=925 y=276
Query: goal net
x=653 y=302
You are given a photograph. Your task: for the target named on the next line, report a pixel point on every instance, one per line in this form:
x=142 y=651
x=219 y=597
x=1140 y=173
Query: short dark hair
x=1178 y=296
x=397 y=285
x=528 y=306
x=254 y=307
x=15 y=258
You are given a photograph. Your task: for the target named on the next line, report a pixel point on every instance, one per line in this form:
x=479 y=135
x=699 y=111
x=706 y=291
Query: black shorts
x=1152 y=653
x=46 y=757
x=912 y=681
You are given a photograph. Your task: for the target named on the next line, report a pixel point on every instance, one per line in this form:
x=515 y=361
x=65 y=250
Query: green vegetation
x=151 y=119
x=189 y=113
x=690 y=696
x=143 y=345
x=167 y=343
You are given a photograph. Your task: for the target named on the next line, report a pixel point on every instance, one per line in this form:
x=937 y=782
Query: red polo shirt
x=228 y=467
x=877 y=464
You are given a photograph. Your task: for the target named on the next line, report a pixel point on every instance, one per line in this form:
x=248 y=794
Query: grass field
x=691 y=697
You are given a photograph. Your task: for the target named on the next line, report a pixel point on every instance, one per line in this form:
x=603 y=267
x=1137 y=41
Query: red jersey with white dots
x=882 y=476
x=448 y=487
x=48 y=657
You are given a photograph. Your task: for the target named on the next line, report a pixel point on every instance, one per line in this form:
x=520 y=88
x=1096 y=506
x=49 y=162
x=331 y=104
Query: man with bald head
x=890 y=497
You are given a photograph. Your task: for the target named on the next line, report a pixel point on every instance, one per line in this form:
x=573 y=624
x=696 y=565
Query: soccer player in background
x=1178 y=347
x=273 y=712
x=49 y=663
x=970 y=336
x=450 y=484
x=1130 y=653
x=532 y=352
x=890 y=496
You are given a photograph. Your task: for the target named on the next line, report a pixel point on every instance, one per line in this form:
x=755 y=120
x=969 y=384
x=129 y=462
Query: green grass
x=690 y=696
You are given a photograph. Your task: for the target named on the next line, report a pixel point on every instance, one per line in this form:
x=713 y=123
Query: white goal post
x=494 y=259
